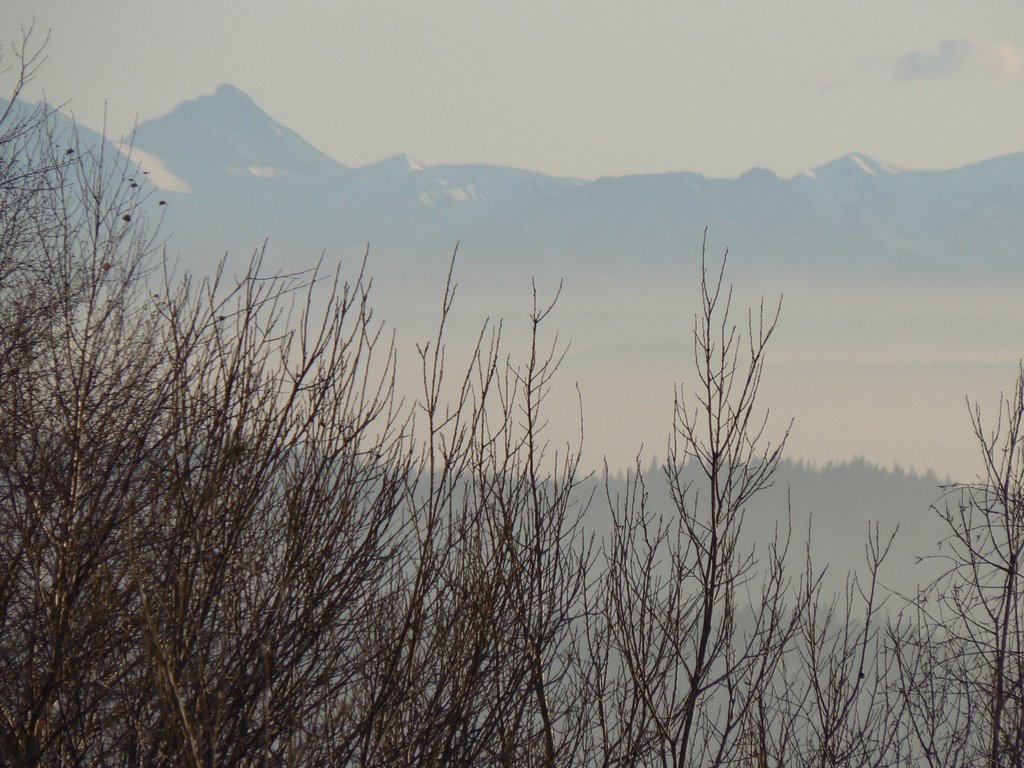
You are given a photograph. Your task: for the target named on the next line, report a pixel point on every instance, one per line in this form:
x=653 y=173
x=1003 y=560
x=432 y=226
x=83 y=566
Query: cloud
x=833 y=84
x=959 y=57
x=826 y=84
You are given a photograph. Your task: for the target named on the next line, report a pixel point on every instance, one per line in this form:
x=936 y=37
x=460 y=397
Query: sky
x=584 y=89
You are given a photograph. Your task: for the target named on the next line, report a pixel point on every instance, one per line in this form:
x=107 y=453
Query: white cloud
x=959 y=57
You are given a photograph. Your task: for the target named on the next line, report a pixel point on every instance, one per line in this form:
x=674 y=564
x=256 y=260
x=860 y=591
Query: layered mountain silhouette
x=234 y=175
x=237 y=174
x=900 y=285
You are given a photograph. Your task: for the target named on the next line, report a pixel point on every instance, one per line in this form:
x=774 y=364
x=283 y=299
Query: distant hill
x=838 y=505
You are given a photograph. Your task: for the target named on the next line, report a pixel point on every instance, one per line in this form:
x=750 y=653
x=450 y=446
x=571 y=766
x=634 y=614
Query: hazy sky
x=576 y=88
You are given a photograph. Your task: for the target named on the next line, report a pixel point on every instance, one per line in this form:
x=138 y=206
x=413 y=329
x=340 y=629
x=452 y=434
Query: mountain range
x=901 y=287
x=232 y=170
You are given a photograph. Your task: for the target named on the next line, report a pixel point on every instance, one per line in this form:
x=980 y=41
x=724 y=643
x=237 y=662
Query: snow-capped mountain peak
x=400 y=164
x=855 y=165
x=226 y=132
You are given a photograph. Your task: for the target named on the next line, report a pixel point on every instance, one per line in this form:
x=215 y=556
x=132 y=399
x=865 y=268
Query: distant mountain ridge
x=901 y=286
x=235 y=175
x=854 y=214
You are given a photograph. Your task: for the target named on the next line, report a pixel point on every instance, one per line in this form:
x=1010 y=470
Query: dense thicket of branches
x=225 y=541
